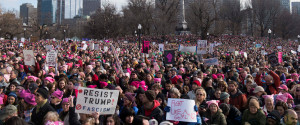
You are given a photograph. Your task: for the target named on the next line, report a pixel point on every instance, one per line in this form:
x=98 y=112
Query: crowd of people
x=242 y=89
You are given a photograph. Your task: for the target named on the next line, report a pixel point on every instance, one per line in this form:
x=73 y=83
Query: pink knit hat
x=142 y=83
x=282 y=97
x=33 y=78
x=268 y=96
x=135 y=84
x=51 y=74
x=213 y=102
x=51 y=80
x=59 y=94
x=157 y=79
x=30 y=99
x=103 y=84
x=23 y=93
x=92 y=86
x=214 y=76
x=65 y=100
x=144 y=87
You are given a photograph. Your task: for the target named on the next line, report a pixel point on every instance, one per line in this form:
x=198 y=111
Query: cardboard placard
x=161 y=47
x=51 y=58
x=96 y=100
x=181 y=110
x=28 y=57
x=169 y=56
x=211 y=61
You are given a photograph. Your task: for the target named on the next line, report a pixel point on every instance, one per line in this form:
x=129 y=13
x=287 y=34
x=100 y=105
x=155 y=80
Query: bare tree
x=10 y=25
x=286 y=24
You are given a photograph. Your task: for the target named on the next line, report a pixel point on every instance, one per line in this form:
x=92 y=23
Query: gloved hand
x=167 y=109
x=196 y=108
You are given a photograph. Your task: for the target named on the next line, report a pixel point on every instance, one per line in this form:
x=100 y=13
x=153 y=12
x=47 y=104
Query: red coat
x=271 y=88
x=239 y=100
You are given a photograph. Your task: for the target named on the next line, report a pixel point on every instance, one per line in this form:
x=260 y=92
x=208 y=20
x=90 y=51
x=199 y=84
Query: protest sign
x=273 y=59
x=51 y=58
x=211 y=61
x=211 y=48
x=49 y=47
x=258 y=46
x=28 y=57
x=279 y=47
x=191 y=49
x=146 y=47
x=245 y=55
x=201 y=51
x=23 y=39
x=84 y=46
x=91 y=100
x=153 y=43
x=125 y=41
x=161 y=47
x=91 y=46
x=105 y=48
x=293 y=52
x=97 y=47
x=231 y=49
x=202 y=43
x=169 y=56
x=280 y=57
x=236 y=53
x=298 y=48
x=181 y=110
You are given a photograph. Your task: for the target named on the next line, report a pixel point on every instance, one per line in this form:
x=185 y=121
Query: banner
x=51 y=58
x=273 y=60
x=280 y=57
x=211 y=48
x=169 y=56
x=23 y=39
x=257 y=45
x=84 y=47
x=91 y=100
x=211 y=61
x=202 y=43
x=181 y=110
x=91 y=46
x=28 y=57
x=97 y=47
x=146 y=47
x=279 y=47
x=161 y=47
x=191 y=49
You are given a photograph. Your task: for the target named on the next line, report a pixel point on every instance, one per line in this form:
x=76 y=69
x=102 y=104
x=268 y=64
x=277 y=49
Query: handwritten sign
x=84 y=47
x=96 y=100
x=191 y=49
x=211 y=61
x=28 y=57
x=202 y=43
x=91 y=46
x=23 y=39
x=51 y=58
x=279 y=47
x=181 y=110
x=280 y=57
x=97 y=47
x=48 y=47
x=161 y=47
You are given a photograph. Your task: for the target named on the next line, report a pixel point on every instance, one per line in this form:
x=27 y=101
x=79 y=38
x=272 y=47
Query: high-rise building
x=51 y=11
x=27 y=12
x=296 y=8
x=285 y=4
x=90 y=6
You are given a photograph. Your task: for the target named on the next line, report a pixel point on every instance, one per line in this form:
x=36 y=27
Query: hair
x=15 y=120
x=175 y=91
x=283 y=104
x=139 y=119
x=297 y=107
x=205 y=80
x=61 y=79
x=127 y=111
x=223 y=83
x=233 y=82
x=200 y=89
x=51 y=116
x=293 y=91
x=115 y=118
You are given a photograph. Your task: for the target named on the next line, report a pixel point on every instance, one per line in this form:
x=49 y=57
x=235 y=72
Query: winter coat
x=259 y=118
x=217 y=119
x=272 y=88
x=155 y=112
x=239 y=100
x=38 y=117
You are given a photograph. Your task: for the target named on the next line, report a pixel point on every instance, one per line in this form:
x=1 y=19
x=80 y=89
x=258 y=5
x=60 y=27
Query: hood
x=156 y=104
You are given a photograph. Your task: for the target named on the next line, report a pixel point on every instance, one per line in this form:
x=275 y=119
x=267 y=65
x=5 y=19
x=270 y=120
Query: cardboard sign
x=28 y=57
x=91 y=46
x=161 y=47
x=181 y=110
x=202 y=43
x=97 y=47
x=279 y=47
x=49 y=47
x=23 y=39
x=146 y=47
x=96 y=100
x=273 y=60
x=84 y=46
x=257 y=45
x=191 y=49
x=280 y=57
x=169 y=56
x=211 y=61
x=51 y=58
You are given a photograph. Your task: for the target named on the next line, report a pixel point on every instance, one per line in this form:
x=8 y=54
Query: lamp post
x=139 y=28
x=24 y=32
x=64 y=35
x=298 y=38
x=46 y=34
x=269 y=32
x=135 y=33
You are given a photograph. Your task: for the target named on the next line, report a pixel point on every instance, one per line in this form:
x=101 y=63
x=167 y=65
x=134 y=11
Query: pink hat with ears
x=21 y=66
x=221 y=75
x=30 y=99
x=65 y=100
x=59 y=94
x=282 y=97
x=23 y=93
x=214 y=76
x=103 y=84
x=51 y=74
x=51 y=80
x=157 y=79
x=287 y=80
x=92 y=86
x=216 y=102
x=77 y=65
x=33 y=78
x=268 y=96
x=182 y=69
x=135 y=84
x=142 y=83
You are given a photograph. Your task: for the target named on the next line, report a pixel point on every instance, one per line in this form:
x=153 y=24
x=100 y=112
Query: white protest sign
x=293 y=52
x=51 y=58
x=211 y=48
x=245 y=55
x=84 y=46
x=54 y=39
x=279 y=47
x=91 y=46
x=187 y=48
x=202 y=43
x=153 y=43
x=105 y=48
x=48 y=47
x=236 y=53
x=125 y=41
x=231 y=49
x=91 y=100
x=262 y=52
x=97 y=47
x=161 y=47
x=23 y=39
x=181 y=110
x=211 y=61
x=15 y=38
x=28 y=57
x=84 y=42
x=118 y=49
x=298 y=48
x=201 y=51
x=21 y=45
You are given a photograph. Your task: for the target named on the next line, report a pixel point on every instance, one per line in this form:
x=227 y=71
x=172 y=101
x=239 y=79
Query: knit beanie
x=150 y=95
x=224 y=95
x=275 y=115
x=43 y=92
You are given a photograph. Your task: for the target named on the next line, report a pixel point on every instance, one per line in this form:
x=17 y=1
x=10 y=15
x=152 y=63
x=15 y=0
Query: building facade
x=27 y=13
x=90 y=6
x=296 y=8
x=51 y=11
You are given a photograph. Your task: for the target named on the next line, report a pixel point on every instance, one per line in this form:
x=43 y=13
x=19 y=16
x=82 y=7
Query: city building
x=90 y=6
x=27 y=13
x=296 y=8
x=51 y=11
x=285 y=4
x=60 y=13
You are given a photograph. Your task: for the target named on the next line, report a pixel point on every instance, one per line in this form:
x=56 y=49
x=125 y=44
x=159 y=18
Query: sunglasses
x=200 y=94
x=52 y=97
x=297 y=90
x=37 y=95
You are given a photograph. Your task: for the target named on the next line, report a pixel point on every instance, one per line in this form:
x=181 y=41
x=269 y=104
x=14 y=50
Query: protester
x=253 y=115
x=214 y=114
x=290 y=118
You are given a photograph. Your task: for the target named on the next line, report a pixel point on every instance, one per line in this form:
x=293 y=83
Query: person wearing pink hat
x=31 y=78
x=157 y=81
x=214 y=114
x=269 y=104
x=283 y=89
x=134 y=85
x=28 y=103
x=56 y=99
x=295 y=77
x=48 y=80
x=64 y=115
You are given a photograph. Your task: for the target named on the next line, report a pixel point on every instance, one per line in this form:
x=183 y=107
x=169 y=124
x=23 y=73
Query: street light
x=64 y=35
x=46 y=34
x=139 y=28
x=24 y=32
x=269 y=32
x=135 y=33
